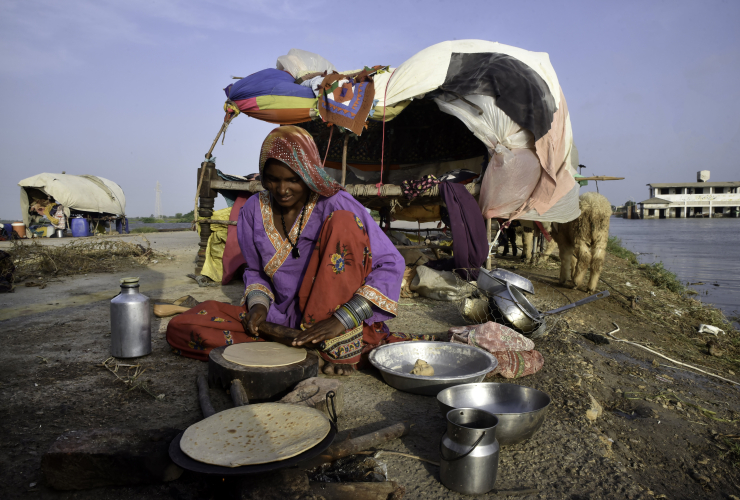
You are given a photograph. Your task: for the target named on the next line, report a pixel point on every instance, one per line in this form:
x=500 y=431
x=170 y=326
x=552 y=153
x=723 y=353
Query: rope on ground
x=666 y=357
x=609 y=284
x=378 y=453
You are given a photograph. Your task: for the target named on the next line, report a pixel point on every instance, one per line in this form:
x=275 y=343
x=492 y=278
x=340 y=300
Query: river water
x=697 y=250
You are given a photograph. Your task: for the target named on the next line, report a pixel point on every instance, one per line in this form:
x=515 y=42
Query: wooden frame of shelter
x=418 y=141
x=343 y=150
x=421 y=139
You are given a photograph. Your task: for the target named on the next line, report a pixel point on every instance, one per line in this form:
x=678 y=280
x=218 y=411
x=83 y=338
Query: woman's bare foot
x=335 y=369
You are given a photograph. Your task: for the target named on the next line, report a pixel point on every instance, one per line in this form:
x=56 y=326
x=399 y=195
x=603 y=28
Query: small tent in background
x=87 y=195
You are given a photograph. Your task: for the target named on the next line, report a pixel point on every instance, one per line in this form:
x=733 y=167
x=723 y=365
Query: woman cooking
x=316 y=261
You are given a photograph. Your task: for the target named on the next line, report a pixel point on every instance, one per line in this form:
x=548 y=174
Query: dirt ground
x=665 y=432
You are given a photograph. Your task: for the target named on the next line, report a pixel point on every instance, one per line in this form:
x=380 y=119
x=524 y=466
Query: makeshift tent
x=77 y=193
x=474 y=105
x=464 y=104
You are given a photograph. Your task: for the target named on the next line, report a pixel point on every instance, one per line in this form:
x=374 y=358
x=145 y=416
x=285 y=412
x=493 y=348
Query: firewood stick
x=238 y=394
x=361 y=443
x=217 y=221
x=203 y=398
x=357 y=491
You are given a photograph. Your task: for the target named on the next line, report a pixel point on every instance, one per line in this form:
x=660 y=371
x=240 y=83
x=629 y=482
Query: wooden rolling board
x=260 y=383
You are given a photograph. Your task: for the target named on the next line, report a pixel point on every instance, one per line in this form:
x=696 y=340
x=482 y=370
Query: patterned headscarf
x=296 y=148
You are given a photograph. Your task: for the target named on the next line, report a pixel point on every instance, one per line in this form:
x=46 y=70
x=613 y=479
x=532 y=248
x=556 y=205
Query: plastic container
x=79 y=226
x=19 y=228
x=122 y=225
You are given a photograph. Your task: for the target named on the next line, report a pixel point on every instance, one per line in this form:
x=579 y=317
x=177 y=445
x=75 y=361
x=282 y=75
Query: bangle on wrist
x=257 y=297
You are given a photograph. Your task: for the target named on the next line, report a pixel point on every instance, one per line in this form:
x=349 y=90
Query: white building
x=692 y=199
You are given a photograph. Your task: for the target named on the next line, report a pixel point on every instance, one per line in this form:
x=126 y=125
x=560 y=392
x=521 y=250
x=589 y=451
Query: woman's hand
x=254 y=318
x=323 y=330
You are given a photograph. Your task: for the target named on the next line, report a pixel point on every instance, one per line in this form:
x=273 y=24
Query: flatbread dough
x=263 y=354
x=421 y=367
x=255 y=434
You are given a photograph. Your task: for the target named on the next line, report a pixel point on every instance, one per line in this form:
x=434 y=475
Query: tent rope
x=327 y=146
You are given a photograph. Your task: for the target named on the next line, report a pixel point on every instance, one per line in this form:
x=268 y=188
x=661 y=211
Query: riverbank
x=703 y=253
x=665 y=431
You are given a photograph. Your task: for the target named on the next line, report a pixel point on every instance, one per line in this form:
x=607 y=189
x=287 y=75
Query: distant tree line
x=178 y=217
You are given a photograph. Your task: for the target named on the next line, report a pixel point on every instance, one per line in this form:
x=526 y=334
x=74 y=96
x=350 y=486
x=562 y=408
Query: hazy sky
x=132 y=90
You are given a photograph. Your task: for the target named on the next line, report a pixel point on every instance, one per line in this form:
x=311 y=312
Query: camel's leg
x=566 y=262
x=583 y=254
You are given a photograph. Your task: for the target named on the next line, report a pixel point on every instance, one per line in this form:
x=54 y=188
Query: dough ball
x=421 y=367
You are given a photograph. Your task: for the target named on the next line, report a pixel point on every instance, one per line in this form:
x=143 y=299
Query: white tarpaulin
x=426 y=70
x=83 y=193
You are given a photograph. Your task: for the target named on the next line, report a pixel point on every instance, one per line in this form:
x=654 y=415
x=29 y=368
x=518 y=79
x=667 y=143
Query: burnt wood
x=98 y=458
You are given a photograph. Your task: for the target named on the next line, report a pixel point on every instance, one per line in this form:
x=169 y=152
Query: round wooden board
x=260 y=382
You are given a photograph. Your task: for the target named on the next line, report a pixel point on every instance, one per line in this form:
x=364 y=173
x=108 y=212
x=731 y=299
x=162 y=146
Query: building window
x=699 y=191
x=651 y=211
x=719 y=190
x=664 y=190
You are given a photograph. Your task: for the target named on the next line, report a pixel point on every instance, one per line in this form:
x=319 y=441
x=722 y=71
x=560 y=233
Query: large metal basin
x=453 y=364
x=520 y=410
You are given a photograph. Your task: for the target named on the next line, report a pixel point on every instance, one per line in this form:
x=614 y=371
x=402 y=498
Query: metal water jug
x=469 y=451
x=130 y=322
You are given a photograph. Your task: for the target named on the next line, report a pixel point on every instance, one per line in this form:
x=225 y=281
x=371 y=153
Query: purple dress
x=272 y=269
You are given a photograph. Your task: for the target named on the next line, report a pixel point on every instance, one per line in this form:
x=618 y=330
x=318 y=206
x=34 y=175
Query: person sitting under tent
x=54 y=212
x=315 y=261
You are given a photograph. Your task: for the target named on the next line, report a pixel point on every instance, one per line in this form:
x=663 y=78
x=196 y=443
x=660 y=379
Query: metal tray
x=187 y=463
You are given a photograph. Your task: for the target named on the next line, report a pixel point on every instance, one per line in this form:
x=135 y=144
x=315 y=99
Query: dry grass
x=130 y=376
x=92 y=255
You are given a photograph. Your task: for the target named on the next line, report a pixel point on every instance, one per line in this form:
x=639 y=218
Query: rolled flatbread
x=255 y=434
x=263 y=354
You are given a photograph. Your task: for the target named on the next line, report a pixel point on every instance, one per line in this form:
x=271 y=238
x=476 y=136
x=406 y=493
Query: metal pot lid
x=513 y=279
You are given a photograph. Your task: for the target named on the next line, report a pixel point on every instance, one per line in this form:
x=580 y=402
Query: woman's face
x=285 y=186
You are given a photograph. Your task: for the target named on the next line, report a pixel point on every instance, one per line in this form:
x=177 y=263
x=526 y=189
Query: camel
x=582 y=242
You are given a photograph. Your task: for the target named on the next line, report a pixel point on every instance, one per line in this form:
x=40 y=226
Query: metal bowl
x=453 y=364
x=503 y=276
x=520 y=410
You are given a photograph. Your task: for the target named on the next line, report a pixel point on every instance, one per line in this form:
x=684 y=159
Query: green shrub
x=145 y=230
x=662 y=277
x=614 y=247
x=148 y=220
x=188 y=217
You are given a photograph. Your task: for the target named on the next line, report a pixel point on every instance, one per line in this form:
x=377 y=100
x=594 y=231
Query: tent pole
x=344 y=160
x=488 y=238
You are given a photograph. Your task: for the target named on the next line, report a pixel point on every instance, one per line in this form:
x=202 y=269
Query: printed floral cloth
x=296 y=148
x=515 y=353
x=492 y=337
x=412 y=189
